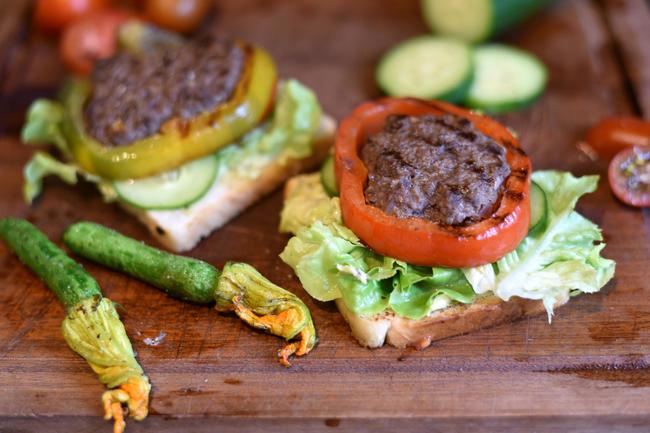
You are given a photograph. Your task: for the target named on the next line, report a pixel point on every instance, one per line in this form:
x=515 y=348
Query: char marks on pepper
x=439 y=168
x=133 y=96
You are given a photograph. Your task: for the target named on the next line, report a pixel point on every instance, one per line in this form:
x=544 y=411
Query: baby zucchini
x=238 y=288
x=92 y=327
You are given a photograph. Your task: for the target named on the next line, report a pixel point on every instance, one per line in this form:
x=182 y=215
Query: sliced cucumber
x=505 y=79
x=476 y=20
x=328 y=177
x=170 y=190
x=427 y=67
x=538 y=207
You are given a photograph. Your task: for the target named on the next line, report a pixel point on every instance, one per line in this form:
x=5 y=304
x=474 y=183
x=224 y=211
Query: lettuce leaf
x=43 y=125
x=295 y=121
x=562 y=258
x=289 y=134
x=558 y=260
x=307 y=203
x=331 y=262
x=419 y=288
x=40 y=166
x=43 y=164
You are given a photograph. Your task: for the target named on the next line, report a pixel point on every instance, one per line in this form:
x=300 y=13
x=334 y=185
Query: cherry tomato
x=177 y=15
x=53 y=16
x=609 y=136
x=629 y=176
x=90 y=39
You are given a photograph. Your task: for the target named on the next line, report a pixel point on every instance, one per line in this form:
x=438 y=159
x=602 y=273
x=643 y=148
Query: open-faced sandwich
x=429 y=222
x=184 y=134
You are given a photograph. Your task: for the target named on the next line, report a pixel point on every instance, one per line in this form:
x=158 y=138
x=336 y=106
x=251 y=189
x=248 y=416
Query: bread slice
x=455 y=320
x=181 y=229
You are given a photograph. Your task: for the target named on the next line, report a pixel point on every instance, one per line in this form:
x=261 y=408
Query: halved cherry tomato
x=54 y=15
x=629 y=176
x=91 y=38
x=609 y=136
x=418 y=241
x=177 y=15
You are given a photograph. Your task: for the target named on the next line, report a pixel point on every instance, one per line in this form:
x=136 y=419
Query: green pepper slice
x=178 y=141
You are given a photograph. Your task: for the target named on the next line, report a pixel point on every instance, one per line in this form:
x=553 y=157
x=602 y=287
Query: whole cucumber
x=182 y=277
x=63 y=276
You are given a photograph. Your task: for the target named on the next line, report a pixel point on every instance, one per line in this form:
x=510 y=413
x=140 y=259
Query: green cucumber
x=476 y=20
x=328 y=177
x=427 y=67
x=170 y=190
x=505 y=79
x=538 y=207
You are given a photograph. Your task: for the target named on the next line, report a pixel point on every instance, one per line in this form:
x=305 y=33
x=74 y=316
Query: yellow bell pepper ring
x=179 y=140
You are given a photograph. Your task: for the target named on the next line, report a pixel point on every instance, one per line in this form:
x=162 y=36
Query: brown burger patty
x=133 y=96
x=439 y=168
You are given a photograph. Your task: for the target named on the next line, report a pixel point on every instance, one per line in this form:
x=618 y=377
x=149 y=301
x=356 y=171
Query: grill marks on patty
x=133 y=96
x=439 y=168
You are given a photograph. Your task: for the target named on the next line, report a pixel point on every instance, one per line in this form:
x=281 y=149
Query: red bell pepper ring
x=415 y=240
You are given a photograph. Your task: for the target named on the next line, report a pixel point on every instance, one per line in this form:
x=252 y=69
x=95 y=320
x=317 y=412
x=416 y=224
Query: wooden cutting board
x=588 y=371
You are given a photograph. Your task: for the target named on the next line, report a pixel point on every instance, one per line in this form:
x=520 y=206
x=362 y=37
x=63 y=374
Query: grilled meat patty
x=134 y=95
x=439 y=168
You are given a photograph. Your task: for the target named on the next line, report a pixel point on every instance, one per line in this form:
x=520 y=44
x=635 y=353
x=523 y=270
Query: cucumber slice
x=427 y=67
x=476 y=20
x=505 y=79
x=170 y=190
x=328 y=177
x=470 y=20
x=538 y=207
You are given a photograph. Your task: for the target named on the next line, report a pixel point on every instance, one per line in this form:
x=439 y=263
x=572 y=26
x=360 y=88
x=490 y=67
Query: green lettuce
x=288 y=135
x=331 y=262
x=43 y=125
x=559 y=258
x=42 y=165
x=308 y=203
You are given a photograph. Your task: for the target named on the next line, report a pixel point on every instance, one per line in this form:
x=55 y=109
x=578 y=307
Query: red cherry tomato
x=609 y=136
x=629 y=176
x=177 y=15
x=90 y=39
x=53 y=16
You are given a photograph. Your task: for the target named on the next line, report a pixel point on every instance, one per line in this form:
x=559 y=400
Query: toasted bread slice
x=181 y=229
x=457 y=319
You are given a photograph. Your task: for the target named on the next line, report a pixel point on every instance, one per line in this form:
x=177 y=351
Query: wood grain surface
x=588 y=371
